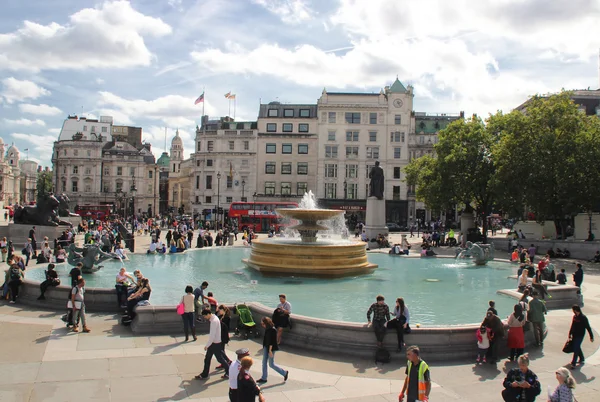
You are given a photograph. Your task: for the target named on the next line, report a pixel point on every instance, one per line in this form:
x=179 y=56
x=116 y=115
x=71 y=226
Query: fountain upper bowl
x=309 y=215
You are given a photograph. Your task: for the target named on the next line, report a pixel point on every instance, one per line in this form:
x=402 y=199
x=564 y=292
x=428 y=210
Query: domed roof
x=177 y=139
x=13 y=148
x=164 y=160
x=1 y=141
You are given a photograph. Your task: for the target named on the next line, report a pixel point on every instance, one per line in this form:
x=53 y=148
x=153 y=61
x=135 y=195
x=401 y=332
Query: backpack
x=15 y=274
x=382 y=355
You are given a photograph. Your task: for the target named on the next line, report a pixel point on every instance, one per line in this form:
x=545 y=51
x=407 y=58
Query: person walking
x=417 y=384
x=3 y=248
x=213 y=345
x=536 y=316
x=270 y=346
x=381 y=315
x=28 y=251
x=78 y=300
x=566 y=385
x=247 y=388
x=521 y=384
x=516 y=335
x=15 y=279
x=578 y=275
x=234 y=370
x=189 y=323
x=51 y=280
x=33 y=241
x=579 y=325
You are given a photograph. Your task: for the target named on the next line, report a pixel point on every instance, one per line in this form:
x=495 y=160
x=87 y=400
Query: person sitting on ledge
x=561 y=278
x=142 y=294
x=160 y=247
x=180 y=245
x=596 y=258
x=173 y=247
x=152 y=247
x=395 y=250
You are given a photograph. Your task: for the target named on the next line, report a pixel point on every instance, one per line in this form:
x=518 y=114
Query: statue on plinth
x=44 y=213
x=63 y=208
x=89 y=255
x=481 y=253
x=377 y=181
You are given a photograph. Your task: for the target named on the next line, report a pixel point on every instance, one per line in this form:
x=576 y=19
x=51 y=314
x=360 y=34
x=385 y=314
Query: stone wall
x=579 y=249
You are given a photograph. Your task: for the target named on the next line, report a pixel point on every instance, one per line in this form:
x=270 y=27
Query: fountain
x=309 y=256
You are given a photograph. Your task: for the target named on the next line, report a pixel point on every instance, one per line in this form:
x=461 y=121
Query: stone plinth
x=20 y=233
x=375 y=220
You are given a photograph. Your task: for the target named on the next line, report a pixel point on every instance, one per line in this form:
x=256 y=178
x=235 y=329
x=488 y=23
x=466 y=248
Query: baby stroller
x=246 y=325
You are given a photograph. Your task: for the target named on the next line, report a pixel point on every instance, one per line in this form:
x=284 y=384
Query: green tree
x=44 y=184
x=462 y=170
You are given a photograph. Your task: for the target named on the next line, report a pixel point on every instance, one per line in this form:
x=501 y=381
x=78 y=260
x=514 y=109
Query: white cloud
x=18 y=90
x=25 y=122
x=290 y=11
x=99 y=81
x=108 y=36
x=41 y=144
x=42 y=109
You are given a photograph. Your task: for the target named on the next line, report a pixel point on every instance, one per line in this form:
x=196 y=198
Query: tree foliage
x=44 y=184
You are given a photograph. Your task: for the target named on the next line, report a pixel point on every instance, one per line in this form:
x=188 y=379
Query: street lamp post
x=243 y=185
x=133 y=193
x=218 y=198
x=254 y=212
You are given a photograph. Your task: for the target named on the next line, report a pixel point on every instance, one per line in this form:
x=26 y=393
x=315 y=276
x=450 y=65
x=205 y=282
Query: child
x=492 y=307
x=562 y=277
x=483 y=343
x=514 y=256
x=212 y=302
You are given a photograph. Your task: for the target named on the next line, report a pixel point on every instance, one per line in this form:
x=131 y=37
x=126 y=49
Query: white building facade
x=10 y=175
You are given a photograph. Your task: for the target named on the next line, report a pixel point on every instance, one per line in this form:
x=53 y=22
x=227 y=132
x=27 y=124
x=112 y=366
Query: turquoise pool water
x=437 y=291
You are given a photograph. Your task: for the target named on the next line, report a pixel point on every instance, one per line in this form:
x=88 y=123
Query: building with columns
x=179 y=179
x=93 y=167
x=10 y=175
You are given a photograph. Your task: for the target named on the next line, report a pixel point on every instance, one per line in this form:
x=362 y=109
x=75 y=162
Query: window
x=373 y=136
x=270 y=188
x=75 y=169
x=246 y=145
x=199 y=146
x=89 y=153
x=64 y=185
x=149 y=174
x=93 y=129
x=352 y=118
x=88 y=171
x=210 y=146
x=303 y=128
x=106 y=188
x=397 y=136
x=208 y=182
x=351 y=171
x=331 y=118
x=302 y=168
x=119 y=186
x=369 y=167
x=271 y=127
x=397 y=153
x=245 y=163
x=288 y=127
x=331 y=170
x=150 y=188
x=106 y=171
x=286 y=167
x=304 y=112
x=273 y=113
x=75 y=152
x=396 y=172
x=352 y=191
x=351 y=152
x=398 y=119
x=198 y=162
x=229 y=182
x=303 y=149
x=197 y=200
x=372 y=118
x=209 y=162
x=74 y=186
x=331 y=135
x=286 y=148
x=271 y=148
x=208 y=199
x=396 y=192
x=288 y=112
x=286 y=188
x=244 y=199
x=103 y=129
x=331 y=190
x=301 y=188
x=84 y=128
x=331 y=151
x=197 y=182
x=372 y=152
x=421 y=140
x=351 y=135
x=64 y=169
x=231 y=145
x=132 y=171
x=270 y=167
x=228 y=199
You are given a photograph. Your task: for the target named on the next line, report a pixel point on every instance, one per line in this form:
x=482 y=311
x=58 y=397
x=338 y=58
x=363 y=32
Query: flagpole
x=234 y=100
x=229 y=114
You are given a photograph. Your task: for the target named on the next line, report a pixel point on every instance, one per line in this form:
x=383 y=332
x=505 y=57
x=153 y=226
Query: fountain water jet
x=309 y=256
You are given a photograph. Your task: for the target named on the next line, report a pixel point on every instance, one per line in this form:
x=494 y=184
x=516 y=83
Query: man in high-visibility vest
x=417 y=384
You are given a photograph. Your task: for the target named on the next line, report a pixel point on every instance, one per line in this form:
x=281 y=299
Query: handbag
x=568 y=348
x=407 y=330
x=180 y=308
x=393 y=323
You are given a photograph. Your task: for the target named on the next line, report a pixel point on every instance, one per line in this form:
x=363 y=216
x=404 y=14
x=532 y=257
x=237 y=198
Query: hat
x=242 y=351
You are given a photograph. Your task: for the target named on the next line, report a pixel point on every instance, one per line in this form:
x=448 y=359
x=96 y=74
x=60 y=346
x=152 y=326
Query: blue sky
x=145 y=61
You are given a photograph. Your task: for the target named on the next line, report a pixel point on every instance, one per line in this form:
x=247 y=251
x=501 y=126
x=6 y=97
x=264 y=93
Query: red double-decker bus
x=259 y=216
x=95 y=212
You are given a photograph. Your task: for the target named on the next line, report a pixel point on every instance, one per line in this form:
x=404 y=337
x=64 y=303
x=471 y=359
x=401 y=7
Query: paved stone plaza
x=41 y=361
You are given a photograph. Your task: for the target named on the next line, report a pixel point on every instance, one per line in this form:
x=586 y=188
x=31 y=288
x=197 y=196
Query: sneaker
x=201 y=377
x=220 y=367
x=261 y=381
x=478 y=360
x=484 y=360
x=12 y=302
x=225 y=376
x=573 y=367
x=287 y=374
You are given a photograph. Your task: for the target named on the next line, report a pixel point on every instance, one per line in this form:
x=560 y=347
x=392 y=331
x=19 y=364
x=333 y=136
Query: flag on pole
x=228 y=94
x=200 y=99
x=231 y=96
x=231 y=170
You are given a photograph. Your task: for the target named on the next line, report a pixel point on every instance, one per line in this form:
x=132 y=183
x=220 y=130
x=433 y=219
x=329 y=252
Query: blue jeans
x=265 y=370
x=577 y=340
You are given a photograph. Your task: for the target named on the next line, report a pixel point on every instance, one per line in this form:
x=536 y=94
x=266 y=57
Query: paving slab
x=18 y=373
x=315 y=394
x=101 y=342
x=142 y=366
x=73 y=370
x=150 y=388
x=15 y=392
x=71 y=391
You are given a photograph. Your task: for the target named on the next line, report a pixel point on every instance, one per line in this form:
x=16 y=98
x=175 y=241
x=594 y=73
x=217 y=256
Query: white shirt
x=234 y=369
x=215 y=331
x=285 y=306
x=152 y=247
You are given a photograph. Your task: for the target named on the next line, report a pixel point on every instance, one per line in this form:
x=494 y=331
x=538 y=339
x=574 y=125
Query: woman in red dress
x=516 y=336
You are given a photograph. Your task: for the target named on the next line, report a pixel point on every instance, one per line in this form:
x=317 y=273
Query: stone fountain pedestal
x=375 y=221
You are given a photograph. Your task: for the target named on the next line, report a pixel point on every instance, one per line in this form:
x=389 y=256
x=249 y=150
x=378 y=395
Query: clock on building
x=398 y=103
